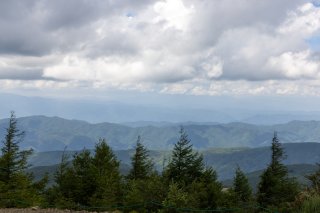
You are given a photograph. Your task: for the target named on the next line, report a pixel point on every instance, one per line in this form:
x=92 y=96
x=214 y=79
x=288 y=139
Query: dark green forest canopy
x=93 y=179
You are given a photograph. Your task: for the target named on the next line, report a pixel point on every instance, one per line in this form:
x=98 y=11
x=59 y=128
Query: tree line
x=93 y=181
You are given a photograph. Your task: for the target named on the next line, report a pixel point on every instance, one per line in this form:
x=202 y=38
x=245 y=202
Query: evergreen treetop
x=241 y=186
x=277 y=153
x=275 y=187
x=186 y=165
x=141 y=164
x=13 y=161
x=17 y=188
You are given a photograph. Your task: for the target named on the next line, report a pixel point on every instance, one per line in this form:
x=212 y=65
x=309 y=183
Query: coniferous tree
x=85 y=182
x=107 y=176
x=141 y=164
x=13 y=161
x=61 y=194
x=275 y=187
x=206 y=192
x=241 y=186
x=144 y=184
x=88 y=181
x=186 y=165
x=62 y=169
x=16 y=186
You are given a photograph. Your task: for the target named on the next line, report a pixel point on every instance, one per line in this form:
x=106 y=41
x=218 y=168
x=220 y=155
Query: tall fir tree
x=144 y=184
x=61 y=171
x=13 y=161
x=241 y=187
x=141 y=164
x=16 y=186
x=107 y=176
x=88 y=180
x=275 y=187
x=186 y=165
x=62 y=193
x=85 y=179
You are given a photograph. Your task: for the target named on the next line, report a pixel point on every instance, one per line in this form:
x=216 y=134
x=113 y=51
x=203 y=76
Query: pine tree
x=16 y=186
x=205 y=192
x=88 y=181
x=141 y=164
x=107 y=176
x=63 y=194
x=13 y=161
x=275 y=187
x=241 y=186
x=60 y=173
x=85 y=180
x=185 y=165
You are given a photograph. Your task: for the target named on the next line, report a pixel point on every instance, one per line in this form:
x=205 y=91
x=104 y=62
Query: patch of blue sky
x=314 y=43
x=130 y=14
x=316 y=3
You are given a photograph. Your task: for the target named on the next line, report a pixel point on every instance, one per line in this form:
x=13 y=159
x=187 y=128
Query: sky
x=189 y=48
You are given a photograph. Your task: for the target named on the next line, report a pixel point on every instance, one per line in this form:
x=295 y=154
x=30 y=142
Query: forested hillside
x=224 y=161
x=97 y=180
x=53 y=133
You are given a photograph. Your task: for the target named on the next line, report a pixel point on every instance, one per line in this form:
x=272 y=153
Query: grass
x=33 y=210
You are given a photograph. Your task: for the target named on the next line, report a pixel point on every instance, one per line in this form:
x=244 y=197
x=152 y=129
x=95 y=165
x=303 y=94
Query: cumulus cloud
x=171 y=46
x=296 y=65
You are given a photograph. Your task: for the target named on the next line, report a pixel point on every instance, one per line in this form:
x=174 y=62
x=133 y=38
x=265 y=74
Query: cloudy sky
x=189 y=47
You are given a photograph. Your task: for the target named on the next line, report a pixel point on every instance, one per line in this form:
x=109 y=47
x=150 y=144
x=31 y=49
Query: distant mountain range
x=54 y=133
x=224 y=161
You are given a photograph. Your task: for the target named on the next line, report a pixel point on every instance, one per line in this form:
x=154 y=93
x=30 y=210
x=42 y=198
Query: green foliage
x=12 y=161
x=241 y=187
x=84 y=177
x=275 y=187
x=88 y=181
x=94 y=181
x=145 y=191
x=144 y=184
x=206 y=191
x=62 y=193
x=108 y=179
x=310 y=205
x=141 y=164
x=185 y=165
x=16 y=186
x=314 y=178
x=177 y=198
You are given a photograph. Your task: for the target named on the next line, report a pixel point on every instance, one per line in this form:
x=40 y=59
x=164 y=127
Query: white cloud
x=172 y=46
x=296 y=65
x=174 y=13
x=302 y=22
x=213 y=68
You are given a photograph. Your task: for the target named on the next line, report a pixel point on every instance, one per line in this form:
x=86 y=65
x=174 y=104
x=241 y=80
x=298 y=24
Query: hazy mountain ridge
x=224 y=161
x=54 y=133
x=167 y=108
